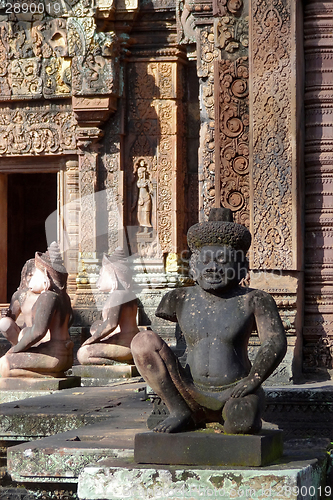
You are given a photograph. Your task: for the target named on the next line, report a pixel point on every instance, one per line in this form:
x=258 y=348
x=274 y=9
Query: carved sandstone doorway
x=31 y=198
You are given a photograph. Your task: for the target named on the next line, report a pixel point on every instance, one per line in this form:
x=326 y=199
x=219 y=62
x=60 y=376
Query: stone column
x=3 y=239
x=69 y=221
x=276 y=159
x=318 y=44
x=91 y=113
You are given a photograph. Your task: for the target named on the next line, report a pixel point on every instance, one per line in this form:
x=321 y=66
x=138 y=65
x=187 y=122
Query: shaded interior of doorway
x=31 y=199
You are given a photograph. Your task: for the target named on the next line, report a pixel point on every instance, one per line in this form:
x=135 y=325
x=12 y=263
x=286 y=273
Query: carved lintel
x=93 y=111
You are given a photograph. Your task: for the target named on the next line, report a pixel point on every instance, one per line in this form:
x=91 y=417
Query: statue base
x=205 y=447
x=16 y=388
x=101 y=375
x=38 y=384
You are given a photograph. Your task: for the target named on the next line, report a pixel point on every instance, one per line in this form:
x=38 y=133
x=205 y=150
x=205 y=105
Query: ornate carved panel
x=274 y=217
x=156 y=128
x=56 y=57
x=318 y=42
x=232 y=137
x=37 y=130
x=207 y=54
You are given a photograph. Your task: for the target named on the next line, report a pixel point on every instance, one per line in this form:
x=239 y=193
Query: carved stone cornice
x=93 y=111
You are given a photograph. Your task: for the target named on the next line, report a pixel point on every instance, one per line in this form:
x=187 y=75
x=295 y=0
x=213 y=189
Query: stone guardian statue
x=217 y=317
x=44 y=348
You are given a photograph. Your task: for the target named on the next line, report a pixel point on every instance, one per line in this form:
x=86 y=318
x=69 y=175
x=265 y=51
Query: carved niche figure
x=44 y=348
x=144 y=198
x=216 y=316
x=21 y=302
x=111 y=338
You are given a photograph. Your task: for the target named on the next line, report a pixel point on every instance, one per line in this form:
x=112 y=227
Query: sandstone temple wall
x=151 y=114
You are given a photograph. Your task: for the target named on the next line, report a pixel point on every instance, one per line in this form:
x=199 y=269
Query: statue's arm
x=15 y=306
x=273 y=344
x=45 y=308
x=168 y=305
x=101 y=329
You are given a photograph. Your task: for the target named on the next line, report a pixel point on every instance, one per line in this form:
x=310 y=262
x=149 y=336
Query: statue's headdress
x=27 y=269
x=219 y=230
x=118 y=268
x=51 y=261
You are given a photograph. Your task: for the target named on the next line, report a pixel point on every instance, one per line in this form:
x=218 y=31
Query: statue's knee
x=243 y=415
x=144 y=342
x=82 y=355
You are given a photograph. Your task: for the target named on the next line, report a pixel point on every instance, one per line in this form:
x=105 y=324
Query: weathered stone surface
x=60 y=458
x=318 y=186
x=59 y=412
x=208 y=448
x=104 y=375
x=113 y=482
x=40 y=384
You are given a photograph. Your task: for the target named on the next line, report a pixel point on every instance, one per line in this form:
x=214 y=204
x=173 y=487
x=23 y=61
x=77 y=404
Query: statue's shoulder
x=259 y=298
x=168 y=306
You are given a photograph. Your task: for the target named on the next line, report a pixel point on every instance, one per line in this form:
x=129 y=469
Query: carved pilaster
x=276 y=159
x=91 y=113
x=155 y=141
x=69 y=221
x=232 y=137
x=318 y=324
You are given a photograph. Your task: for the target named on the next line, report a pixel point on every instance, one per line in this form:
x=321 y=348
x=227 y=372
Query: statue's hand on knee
x=246 y=386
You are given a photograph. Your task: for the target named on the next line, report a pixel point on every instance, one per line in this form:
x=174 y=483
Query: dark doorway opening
x=31 y=199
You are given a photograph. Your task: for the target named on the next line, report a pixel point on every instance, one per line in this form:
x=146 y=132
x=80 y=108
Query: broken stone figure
x=44 y=348
x=216 y=316
x=111 y=338
x=21 y=303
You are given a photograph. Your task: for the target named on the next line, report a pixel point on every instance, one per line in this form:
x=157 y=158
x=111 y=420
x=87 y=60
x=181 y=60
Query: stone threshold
x=290 y=478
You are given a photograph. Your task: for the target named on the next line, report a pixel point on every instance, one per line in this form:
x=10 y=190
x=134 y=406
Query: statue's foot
x=176 y=423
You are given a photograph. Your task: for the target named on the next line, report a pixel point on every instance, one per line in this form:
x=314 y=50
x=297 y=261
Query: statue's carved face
x=105 y=282
x=38 y=283
x=219 y=267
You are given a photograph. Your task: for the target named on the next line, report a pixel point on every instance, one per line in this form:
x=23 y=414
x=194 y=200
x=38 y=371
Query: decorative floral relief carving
x=272 y=147
x=44 y=58
x=35 y=132
x=224 y=7
x=186 y=32
x=231 y=136
x=155 y=123
x=87 y=190
x=231 y=34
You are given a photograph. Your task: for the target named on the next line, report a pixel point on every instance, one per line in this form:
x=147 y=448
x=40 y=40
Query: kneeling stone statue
x=44 y=347
x=216 y=316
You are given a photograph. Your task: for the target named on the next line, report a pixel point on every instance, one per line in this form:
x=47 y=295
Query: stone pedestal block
x=97 y=375
x=207 y=448
x=38 y=384
x=295 y=479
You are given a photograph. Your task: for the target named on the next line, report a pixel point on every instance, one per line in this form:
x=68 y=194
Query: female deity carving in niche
x=144 y=203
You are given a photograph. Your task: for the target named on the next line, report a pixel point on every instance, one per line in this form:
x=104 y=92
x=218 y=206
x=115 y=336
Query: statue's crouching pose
x=111 y=338
x=216 y=316
x=44 y=348
x=20 y=305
